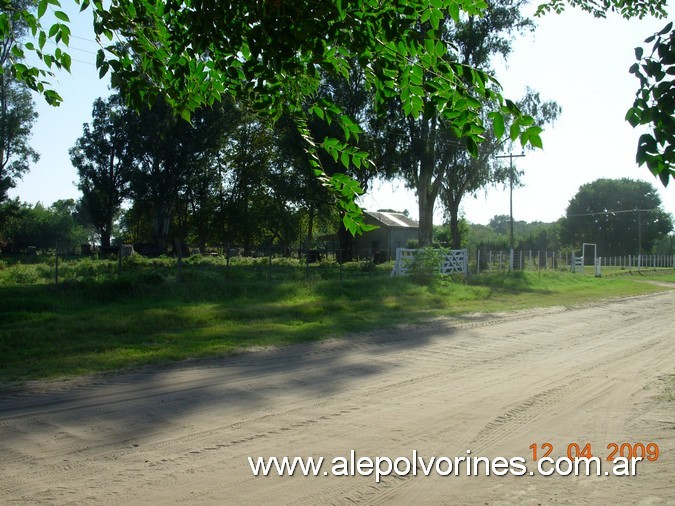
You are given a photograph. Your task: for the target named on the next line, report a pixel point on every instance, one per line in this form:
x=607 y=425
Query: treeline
x=528 y=236
x=26 y=227
x=65 y=225
x=152 y=179
x=226 y=178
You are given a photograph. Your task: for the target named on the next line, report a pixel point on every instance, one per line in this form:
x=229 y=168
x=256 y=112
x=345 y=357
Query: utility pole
x=511 y=156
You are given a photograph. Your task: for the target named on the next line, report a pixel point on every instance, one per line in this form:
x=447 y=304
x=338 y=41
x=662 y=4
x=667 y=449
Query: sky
x=578 y=61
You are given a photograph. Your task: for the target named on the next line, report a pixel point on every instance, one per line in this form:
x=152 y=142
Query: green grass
x=99 y=321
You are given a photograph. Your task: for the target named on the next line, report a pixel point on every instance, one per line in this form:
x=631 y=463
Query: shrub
x=426 y=267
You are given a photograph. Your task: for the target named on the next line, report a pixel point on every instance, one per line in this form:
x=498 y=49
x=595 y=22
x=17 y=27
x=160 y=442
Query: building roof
x=393 y=220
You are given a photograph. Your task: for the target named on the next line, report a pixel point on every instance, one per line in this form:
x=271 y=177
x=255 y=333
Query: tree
x=167 y=150
x=104 y=161
x=17 y=117
x=247 y=158
x=622 y=216
x=432 y=154
x=270 y=54
x=44 y=227
x=17 y=114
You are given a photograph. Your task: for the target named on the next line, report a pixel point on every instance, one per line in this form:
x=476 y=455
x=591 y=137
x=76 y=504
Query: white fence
x=539 y=260
x=517 y=260
x=458 y=261
x=640 y=261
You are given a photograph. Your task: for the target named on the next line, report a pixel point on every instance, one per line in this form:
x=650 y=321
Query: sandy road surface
x=493 y=385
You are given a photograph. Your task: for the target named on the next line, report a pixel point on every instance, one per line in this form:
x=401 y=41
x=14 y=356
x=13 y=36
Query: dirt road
x=493 y=385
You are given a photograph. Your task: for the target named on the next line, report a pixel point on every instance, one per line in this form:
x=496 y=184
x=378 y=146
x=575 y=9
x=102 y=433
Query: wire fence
x=275 y=267
x=507 y=260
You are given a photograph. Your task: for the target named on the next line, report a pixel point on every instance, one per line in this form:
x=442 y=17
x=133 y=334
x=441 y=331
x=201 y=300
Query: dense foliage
x=26 y=226
x=289 y=64
x=655 y=104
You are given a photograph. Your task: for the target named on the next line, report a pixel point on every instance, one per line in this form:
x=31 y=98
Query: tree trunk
x=426 y=212
x=428 y=184
x=105 y=238
x=160 y=229
x=455 y=235
x=106 y=232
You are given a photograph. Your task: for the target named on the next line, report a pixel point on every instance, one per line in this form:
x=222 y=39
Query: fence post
x=269 y=263
x=56 y=265
x=179 y=262
x=340 y=263
x=227 y=259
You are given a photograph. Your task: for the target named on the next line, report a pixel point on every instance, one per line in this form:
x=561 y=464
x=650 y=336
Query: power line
x=616 y=212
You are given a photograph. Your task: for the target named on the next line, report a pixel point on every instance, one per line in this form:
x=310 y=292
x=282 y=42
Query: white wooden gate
x=454 y=261
x=404 y=259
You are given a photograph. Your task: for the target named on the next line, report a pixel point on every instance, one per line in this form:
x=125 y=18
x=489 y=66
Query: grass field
x=96 y=319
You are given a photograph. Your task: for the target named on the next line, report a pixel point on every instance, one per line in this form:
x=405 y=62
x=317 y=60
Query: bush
x=426 y=267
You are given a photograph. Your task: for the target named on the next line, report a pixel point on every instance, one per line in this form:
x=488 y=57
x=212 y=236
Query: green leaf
x=472 y=147
x=453 y=10
x=103 y=69
x=514 y=131
x=535 y=141
x=62 y=16
x=344 y=158
x=318 y=111
x=66 y=61
x=498 y=124
x=42 y=8
x=435 y=18
x=666 y=28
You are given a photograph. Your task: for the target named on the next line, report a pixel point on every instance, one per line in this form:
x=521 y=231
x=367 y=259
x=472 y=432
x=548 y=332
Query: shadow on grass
x=48 y=331
x=135 y=406
x=509 y=282
x=75 y=328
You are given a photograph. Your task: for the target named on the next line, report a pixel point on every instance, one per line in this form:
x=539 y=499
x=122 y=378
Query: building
x=395 y=230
